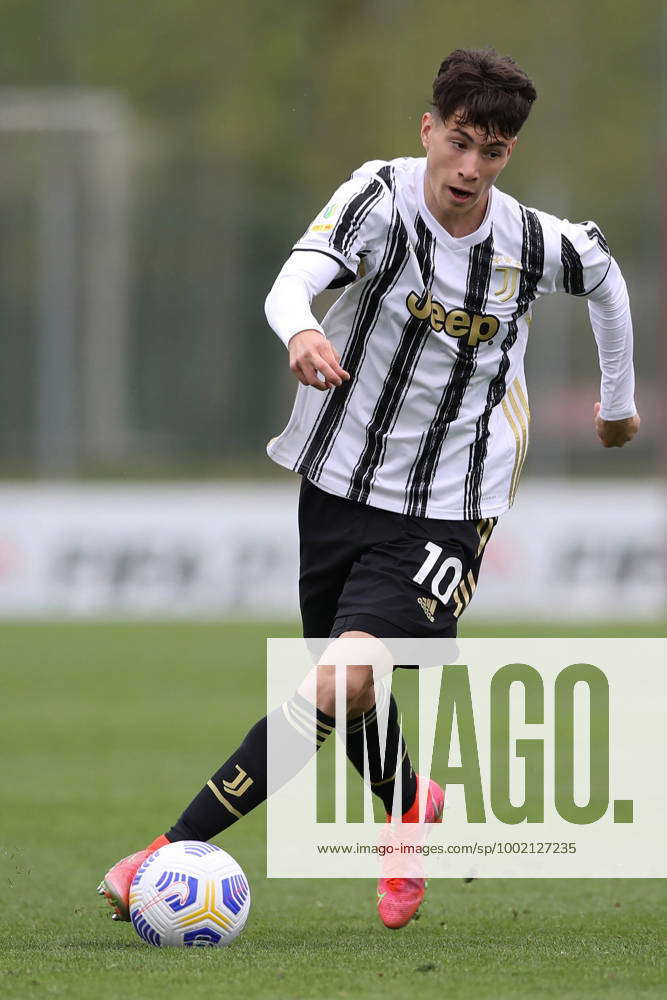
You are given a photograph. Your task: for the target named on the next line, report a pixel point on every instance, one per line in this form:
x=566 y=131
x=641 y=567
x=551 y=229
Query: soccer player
x=410 y=424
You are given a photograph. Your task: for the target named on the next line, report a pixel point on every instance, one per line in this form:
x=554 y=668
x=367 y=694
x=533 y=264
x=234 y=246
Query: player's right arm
x=328 y=255
x=312 y=358
x=315 y=361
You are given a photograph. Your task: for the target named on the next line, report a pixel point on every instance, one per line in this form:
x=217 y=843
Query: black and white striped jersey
x=433 y=330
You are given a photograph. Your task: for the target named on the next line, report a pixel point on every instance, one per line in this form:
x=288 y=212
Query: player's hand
x=314 y=360
x=615 y=433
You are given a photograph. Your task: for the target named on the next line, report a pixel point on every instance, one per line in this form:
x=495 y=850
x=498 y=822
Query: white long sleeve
x=304 y=275
x=609 y=310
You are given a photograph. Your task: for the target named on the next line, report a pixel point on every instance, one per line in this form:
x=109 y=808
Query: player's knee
x=351 y=660
x=361 y=656
x=359 y=685
x=358 y=682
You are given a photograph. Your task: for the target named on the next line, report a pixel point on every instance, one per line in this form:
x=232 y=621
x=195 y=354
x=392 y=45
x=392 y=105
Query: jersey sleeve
x=609 y=311
x=353 y=222
x=579 y=258
x=287 y=306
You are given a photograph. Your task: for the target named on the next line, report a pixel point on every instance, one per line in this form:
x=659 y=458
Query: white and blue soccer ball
x=189 y=894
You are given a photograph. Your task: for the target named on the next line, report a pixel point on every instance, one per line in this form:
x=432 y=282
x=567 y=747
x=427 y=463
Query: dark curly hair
x=483 y=89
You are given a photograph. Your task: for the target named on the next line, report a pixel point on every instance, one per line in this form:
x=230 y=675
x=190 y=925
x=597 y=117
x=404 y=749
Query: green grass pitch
x=108 y=730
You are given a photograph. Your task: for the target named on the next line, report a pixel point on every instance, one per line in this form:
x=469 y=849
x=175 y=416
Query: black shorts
x=388 y=574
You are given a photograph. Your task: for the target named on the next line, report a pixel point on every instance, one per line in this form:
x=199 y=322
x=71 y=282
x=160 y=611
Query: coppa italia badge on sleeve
x=323 y=223
x=544 y=748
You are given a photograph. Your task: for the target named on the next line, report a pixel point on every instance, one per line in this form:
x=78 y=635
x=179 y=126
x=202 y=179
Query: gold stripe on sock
x=309 y=714
x=359 y=721
x=356 y=728
x=304 y=715
x=302 y=727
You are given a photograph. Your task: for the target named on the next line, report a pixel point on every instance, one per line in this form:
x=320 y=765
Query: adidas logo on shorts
x=428 y=606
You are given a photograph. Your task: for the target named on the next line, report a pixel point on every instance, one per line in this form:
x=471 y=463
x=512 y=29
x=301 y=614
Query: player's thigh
x=329 y=535
x=417 y=582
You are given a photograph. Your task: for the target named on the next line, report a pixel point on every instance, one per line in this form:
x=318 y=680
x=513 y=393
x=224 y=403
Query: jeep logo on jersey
x=456 y=322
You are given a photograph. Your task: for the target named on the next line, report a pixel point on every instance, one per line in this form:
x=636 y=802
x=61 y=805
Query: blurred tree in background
x=246 y=116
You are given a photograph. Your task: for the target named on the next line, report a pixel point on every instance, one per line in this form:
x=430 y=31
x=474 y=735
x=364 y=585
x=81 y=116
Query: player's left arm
x=615 y=433
x=615 y=415
x=584 y=267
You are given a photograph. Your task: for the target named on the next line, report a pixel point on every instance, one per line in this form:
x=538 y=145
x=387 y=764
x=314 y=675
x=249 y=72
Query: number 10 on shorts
x=442 y=574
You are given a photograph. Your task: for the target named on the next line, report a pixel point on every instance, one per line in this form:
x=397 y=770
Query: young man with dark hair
x=410 y=425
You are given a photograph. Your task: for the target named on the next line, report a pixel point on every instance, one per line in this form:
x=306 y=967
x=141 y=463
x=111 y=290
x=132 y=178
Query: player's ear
x=426 y=128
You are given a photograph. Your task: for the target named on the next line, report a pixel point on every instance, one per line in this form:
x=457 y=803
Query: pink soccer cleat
x=399 y=897
x=115 y=886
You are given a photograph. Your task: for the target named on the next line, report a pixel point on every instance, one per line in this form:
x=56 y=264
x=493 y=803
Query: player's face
x=462 y=163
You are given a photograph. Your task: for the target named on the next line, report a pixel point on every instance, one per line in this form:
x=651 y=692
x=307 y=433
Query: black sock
x=241 y=783
x=364 y=729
